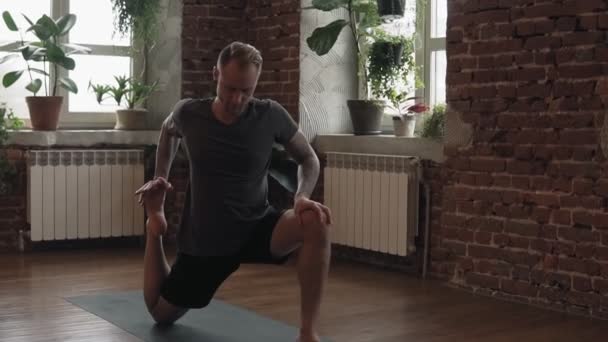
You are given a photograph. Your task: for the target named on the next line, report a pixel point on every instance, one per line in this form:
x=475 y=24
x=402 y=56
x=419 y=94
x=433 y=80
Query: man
x=227 y=219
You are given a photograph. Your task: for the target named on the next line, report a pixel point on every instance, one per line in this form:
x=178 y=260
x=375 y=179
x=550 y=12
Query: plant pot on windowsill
x=131 y=119
x=391 y=9
x=404 y=125
x=44 y=112
x=366 y=116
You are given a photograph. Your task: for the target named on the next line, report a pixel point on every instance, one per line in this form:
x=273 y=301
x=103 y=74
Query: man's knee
x=314 y=226
x=165 y=313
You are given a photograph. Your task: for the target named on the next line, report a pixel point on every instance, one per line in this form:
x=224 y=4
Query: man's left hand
x=302 y=203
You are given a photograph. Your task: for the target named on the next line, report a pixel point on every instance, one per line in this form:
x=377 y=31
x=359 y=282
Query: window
x=430 y=49
x=109 y=57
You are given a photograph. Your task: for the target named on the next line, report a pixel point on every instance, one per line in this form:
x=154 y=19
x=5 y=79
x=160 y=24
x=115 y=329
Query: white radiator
x=84 y=194
x=374 y=201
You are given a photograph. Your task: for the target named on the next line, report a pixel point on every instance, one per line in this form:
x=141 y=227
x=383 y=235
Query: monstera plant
x=53 y=54
x=366 y=113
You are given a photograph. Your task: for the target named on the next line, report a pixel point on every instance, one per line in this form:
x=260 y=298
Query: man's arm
x=168 y=144
x=308 y=169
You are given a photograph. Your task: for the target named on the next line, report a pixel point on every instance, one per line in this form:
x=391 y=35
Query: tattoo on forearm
x=308 y=170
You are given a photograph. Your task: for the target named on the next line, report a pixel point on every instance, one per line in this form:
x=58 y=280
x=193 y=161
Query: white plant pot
x=404 y=126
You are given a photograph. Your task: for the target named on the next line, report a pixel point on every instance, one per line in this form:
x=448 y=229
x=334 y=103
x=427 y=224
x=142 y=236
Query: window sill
x=380 y=144
x=82 y=137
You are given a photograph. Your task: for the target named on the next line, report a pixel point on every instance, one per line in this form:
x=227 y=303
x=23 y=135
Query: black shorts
x=193 y=280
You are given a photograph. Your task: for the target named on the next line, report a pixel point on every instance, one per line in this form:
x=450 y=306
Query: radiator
x=84 y=194
x=374 y=201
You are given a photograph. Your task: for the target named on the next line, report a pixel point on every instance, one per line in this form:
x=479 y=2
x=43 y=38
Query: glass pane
x=33 y=9
x=438 y=71
x=95 y=23
x=15 y=95
x=439 y=17
x=88 y=70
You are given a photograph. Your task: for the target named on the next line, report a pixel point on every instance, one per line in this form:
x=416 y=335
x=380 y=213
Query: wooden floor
x=361 y=303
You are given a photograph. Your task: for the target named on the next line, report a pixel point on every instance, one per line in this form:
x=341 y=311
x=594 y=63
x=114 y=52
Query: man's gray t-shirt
x=228 y=189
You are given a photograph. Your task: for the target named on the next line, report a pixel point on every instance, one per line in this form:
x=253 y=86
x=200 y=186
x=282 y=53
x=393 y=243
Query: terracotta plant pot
x=366 y=116
x=44 y=112
x=131 y=119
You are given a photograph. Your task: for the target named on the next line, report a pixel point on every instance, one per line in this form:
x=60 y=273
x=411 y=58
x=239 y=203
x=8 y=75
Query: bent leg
x=156 y=270
x=313 y=257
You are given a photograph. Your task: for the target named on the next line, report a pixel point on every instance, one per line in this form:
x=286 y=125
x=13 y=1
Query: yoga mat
x=218 y=322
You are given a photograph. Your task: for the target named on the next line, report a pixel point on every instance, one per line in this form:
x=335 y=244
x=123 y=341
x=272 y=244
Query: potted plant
x=8 y=122
x=366 y=114
x=44 y=110
x=391 y=9
x=433 y=127
x=404 y=123
x=134 y=93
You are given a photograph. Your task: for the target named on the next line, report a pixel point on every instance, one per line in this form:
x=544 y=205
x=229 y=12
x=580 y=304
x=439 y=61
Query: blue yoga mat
x=218 y=322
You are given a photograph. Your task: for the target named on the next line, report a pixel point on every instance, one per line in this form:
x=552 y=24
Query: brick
x=520 y=272
x=521 y=182
x=541 y=214
x=484 y=238
x=586 y=251
x=588 y=202
x=603 y=21
x=455 y=248
x=519 y=288
x=482 y=280
x=544 y=199
x=563 y=217
x=544 y=42
x=523 y=228
x=582 y=186
x=601 y=286
x=582 y=38
x=487 y=165
x=483 y=252
x=493 y=268
x=588 y=267
x=579 y=71
x=565 y=24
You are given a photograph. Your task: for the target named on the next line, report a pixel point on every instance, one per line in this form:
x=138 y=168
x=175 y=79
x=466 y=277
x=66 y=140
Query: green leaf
x=34 y=86
x=329 y=5
x=324 y=38
x=28 y=19
x=66 y=23
x=49 y=24
x=8 y=58
x=42 y=72
x=10 y=78
x=8 y=20
x=54 y=53
x=41 y=32
x=68 y=84
x=68 y=63
x=31 y=52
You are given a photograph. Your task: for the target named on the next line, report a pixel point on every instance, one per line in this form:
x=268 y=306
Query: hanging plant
x=391 y=9
x=140 y=18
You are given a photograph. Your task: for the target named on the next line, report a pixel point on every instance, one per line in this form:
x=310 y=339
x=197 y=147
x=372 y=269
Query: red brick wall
x=524 y=208
x=13 y=206
x=271 y=26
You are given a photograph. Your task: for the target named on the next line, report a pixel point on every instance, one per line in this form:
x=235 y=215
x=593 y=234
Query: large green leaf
x=8 y=20
x=41 y=32
x=11 y=77
x=34 y=86
x=49 y=24
x=324 y=38
x=8 y=57
x=31 y=52
x=329 y=5
x=54 y=53
x=68 y=63
x=68 y=84
x=66 y=23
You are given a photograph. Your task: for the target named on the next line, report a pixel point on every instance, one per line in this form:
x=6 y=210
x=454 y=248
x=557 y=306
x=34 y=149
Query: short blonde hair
x=243 y=53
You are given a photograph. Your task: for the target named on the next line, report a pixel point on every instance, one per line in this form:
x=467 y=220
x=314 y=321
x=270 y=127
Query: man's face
x=235 y=85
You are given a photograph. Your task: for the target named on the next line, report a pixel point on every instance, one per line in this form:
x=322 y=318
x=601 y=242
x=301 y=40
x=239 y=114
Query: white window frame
x=69 y=119
x=424 y=53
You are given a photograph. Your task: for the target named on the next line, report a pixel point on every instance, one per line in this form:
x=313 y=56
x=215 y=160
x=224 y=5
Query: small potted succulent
x=133 y=93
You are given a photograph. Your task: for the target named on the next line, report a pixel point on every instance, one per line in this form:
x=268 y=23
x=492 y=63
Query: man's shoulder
x=266 y=105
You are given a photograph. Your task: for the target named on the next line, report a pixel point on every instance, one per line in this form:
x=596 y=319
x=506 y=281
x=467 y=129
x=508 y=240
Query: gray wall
x=165 y=63
x=325 y=82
